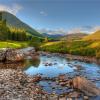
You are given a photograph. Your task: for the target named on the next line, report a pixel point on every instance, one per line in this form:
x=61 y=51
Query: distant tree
x=46 y=39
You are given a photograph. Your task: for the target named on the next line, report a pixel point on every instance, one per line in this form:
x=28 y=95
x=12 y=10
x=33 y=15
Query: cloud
x=14 y=9
x=84 y=29
x=43 y=13
x=62 y=31
x=53 y=32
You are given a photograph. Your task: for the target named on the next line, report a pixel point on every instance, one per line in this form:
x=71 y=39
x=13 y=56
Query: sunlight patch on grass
x=50 y=43
x=13 y=44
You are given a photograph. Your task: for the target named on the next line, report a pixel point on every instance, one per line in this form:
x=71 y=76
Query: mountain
x=74 y=36
x=94 y=36
x=52 y=36
x=13 y=21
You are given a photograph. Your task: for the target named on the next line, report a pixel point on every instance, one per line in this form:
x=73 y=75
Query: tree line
x=12 y=33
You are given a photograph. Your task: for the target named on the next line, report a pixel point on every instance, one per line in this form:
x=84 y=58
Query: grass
x=49 y=43
x=94 y=37
x=13 y=44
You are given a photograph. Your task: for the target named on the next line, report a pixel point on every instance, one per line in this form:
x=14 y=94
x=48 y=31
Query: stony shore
x=15 y=85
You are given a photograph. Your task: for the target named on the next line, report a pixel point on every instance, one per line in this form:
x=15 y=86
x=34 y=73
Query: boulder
x=11 y=55
x=14 y=55
x=27 y=51
x=2 y=55
x=85 y=86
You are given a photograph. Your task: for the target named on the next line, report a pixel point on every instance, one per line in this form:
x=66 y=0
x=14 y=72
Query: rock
x=48 y=64
x=36 y=78
x=11 y=55
x=27 y=51
x=74 y=94
x=86 y=98
x=62 y=78
x=79 y=67
x=14 y=55
x=2 y=55
x=85 y=86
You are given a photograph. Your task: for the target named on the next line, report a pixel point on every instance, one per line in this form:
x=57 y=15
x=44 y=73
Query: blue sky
x=56 y=15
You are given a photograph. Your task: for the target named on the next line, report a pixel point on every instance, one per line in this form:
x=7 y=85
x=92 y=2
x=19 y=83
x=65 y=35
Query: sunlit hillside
x=94 y=36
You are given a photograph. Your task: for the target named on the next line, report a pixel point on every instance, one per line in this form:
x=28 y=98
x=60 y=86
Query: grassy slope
x=13 y=44
x=76 y=47
x=94 y=36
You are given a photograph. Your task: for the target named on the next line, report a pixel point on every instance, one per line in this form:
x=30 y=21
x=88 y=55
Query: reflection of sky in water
x=59 y=65
x=62 y=66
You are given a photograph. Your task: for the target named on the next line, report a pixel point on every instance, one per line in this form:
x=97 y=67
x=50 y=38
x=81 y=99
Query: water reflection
x=30 y=62
x=49 y=66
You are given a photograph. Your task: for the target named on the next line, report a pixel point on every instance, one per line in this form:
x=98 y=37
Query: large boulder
x=14 y=55
x=85 y=86
x=11 y=55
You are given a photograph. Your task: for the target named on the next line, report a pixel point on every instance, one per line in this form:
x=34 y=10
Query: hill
x=13 y=21
x=53 y=35
x=94 y=36
x=74 y=36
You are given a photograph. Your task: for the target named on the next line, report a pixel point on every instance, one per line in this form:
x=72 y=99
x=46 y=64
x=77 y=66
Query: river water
x=52 y=66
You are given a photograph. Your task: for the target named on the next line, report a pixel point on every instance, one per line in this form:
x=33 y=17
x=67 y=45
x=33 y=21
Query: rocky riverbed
x=16 y=85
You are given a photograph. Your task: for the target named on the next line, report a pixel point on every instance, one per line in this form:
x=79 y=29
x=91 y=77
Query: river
x=52 y=66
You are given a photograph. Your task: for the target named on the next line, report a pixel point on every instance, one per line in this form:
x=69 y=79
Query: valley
x=37 y=65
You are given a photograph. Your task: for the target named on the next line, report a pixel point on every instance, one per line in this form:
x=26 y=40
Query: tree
x=46 y=39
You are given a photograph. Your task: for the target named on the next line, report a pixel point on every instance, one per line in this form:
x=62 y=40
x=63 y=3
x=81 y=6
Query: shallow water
x=59 y=65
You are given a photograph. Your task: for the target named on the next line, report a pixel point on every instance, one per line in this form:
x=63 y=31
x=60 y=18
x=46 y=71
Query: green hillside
x=87 y=46
x=13 y=21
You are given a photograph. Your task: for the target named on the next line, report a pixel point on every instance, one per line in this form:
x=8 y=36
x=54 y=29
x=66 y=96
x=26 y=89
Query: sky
x=56 y=16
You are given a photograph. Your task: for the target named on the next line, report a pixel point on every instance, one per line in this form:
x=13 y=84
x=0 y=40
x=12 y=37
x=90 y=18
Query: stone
x=85 y=86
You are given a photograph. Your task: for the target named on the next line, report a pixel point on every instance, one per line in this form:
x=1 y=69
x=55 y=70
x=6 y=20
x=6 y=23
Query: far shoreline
x=87 y=59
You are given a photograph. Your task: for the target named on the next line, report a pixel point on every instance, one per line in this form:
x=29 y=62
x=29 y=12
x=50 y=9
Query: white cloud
x=53 y=32
x=43 y=13
x=83 y=29
x=14 y=9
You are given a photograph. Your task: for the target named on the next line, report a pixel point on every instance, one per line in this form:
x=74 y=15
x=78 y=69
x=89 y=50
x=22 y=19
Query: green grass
x=80 y=47
x=13 y=44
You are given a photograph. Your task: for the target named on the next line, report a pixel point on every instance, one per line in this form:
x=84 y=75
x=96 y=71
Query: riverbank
x=83 y=58
x=15 y=85
x=74 y=57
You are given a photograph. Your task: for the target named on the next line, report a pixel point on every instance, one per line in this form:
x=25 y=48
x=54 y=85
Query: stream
x=52 y=66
